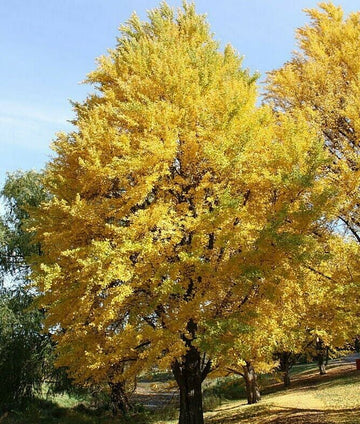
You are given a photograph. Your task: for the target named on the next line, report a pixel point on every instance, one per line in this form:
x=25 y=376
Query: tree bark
x=188 y=376
x=321 y=363
x=285 y=365
x=189 y=373
x=321 y=354
x=286 y=379
x=119 y=399
x=327 y=356
x=357 y=344
x=252 y=388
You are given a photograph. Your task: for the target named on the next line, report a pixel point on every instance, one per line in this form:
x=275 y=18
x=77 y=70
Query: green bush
x=23 y=348
x=229 y=388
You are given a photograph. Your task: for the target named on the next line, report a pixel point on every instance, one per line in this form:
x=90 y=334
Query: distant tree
x=22 y=191
x=322 y=82
x=24 y=350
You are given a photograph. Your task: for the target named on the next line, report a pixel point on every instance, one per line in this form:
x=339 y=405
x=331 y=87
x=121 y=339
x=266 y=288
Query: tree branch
x=354 y=232
x=206 y=370
x=234 y=371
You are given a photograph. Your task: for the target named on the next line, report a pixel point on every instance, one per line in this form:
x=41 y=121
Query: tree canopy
x=322 y=81
x=179 y=209
x=24 y=350
x=21 y=192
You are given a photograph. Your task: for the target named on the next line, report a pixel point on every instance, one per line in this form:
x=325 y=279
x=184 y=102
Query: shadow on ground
x=311 y=378
x=266 y=415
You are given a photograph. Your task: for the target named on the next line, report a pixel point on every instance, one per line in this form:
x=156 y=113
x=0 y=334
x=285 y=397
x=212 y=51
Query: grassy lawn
x=330 y=399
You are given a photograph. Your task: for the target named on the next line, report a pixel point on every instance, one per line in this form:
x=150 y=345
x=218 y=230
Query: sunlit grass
x=343 y=392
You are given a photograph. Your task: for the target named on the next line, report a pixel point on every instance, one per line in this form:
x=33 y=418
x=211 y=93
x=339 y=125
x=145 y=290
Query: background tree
x=248 y=354
x=21 y=192
x=174 y=203
x=24 y=350
x=321 y=81
x=307 y=314
x=333 y=300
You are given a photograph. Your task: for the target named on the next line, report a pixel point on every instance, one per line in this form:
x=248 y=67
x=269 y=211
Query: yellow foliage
x=321 y=82
x=175 y=200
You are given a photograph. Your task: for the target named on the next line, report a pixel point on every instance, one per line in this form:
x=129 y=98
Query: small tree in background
x=24 y=350
x=21 y=192
x=321 y=82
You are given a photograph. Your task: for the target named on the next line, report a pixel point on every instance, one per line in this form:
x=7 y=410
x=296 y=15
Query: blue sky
x=48 y=46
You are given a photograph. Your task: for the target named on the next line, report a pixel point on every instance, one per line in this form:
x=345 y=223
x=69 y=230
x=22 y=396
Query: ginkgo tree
x=318 y=312
x=333 y=299
x=242 y=347
x=307 y=302
x=322 y=81
x=311 y=311
x=176 y=203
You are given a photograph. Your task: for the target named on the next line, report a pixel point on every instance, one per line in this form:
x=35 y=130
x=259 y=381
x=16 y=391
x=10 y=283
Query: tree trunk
x=327 y=356
x=321 y=363
x=285 y=365
x=321 y=354
x=119 y=399
x=188 y=376
x=357 y=344
x=287 y=380
x=252 y=388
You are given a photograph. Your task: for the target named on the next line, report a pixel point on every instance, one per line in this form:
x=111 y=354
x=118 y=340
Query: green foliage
x=40 y=411
x=21 y=192
x=23 y=348
x=227 y=388
x=26 y=355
